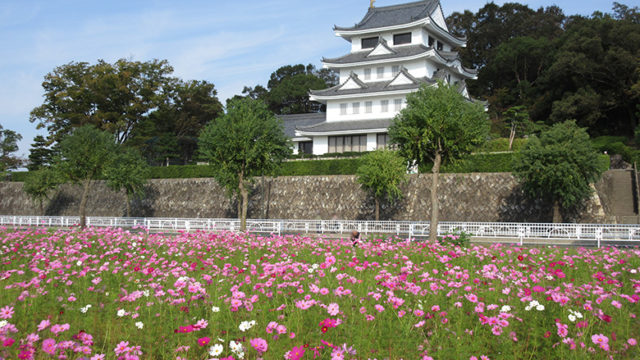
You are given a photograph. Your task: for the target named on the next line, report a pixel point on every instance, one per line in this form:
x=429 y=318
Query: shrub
x=502 y=144
x=461 y=239
x=319 y=167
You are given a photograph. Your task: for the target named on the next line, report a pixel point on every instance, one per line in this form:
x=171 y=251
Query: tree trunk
x=377 y=209
x=42 y=208
x=244 y=193
x=128 y=200
x=512 y=135
x=83 y=203
x=433 y=225
x=557 y=216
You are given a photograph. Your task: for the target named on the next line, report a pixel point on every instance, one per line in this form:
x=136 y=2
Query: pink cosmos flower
x=49 y=346
x=122 y=348
x=379 y=307
x=333 y=309
x=259 y=344
x=6 y=312
x=8 y=342
x=632 y=342
x=204 y=341
x=601 y=340
x=296 y=353
x=43 y=325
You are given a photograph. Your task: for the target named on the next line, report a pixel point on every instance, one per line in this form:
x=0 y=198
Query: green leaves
x=381 y=173
x=559 y=165
x=8 y=145
x=438 y=119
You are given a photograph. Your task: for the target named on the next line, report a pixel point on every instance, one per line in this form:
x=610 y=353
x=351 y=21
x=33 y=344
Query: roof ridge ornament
x=371 y=4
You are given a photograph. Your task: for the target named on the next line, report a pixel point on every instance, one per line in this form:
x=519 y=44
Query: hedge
x=497 y=162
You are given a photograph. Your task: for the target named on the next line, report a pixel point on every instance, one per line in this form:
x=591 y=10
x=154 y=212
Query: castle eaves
x=378 y=17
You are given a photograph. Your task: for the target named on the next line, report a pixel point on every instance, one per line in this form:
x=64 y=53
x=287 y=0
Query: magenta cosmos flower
x=259 y=344
x=6 y=312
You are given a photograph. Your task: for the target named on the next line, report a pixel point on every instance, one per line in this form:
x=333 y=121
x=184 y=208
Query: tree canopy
x=127 y=171
x=246 y=141
x=557 y=66
x=558 y=166
x=438 y=125
x=381 y=173
x=9 y=145
x=288 y=88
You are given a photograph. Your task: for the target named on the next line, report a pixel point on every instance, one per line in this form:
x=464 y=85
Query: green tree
x=517 y=119
x=438 y=125
x=39 y=185
x=84 y=156
x=40 y=154
x=288 y=88
x=112 y=97
x=128 y=171
x=246 y=141
x=559 y=166
x=9 y=145
x=172 y=130
x=381 y=173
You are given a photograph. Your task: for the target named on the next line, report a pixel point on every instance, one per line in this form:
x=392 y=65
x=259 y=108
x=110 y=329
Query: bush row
x=501 y=162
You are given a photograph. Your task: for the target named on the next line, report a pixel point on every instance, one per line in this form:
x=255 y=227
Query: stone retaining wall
x=463 y=197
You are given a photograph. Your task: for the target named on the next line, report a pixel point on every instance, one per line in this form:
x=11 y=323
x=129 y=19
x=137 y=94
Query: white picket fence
x=522 y=233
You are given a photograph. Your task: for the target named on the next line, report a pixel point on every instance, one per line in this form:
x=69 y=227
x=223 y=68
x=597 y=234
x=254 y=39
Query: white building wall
x=372 y=142
x=334 y=114
x=320 y=145
x=417 y=68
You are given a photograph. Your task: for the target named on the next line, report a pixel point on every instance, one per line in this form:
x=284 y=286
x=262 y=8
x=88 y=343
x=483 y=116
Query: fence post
x=599 y=236
x=521 y=234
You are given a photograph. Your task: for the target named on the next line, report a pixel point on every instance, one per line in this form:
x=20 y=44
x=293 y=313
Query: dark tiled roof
x=347 y=125
x=291 y=122
x=394 y=15
x=360 y=56
x=372 y=87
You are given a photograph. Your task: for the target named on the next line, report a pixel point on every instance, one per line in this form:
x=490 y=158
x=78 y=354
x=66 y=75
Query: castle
x=394 y=50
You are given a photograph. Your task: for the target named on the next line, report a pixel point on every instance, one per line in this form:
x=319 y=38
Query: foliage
x=288 y=89
x=112 y=97
x=438 y=121
x=129 y=172
x=615 y=145
x=41 y=154
x=39 y=185
x=502 y=144
x=171 y=132
x=381 y=173
x=8 y=145
x=246 y=141
x=460 y=238
x=559 y=165
x=557 y=67
x=438 y=125
x=320 y=167
x=517 y=120
x=84 y=155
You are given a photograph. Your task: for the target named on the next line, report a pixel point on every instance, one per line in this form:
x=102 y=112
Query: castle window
x=305 y=147
x=368 y=107
x=384 y=105
x=367 y=74
x=343 y=109
x=356 y=107
x=399 y=39
x=430 y=41
x=369 y=43
x=354 y=143
x=395 y=69
x=397 y=104
x=440 y=46
x=380 y=72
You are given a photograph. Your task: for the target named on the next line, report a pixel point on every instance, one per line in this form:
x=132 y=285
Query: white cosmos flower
x=572 y=318
x=235 y=346
x=139 y=325
x=216 y=350
x=540 y=307
x=215 y=309
x=121 y=312
x=505 y=308
x=246 y=325
x=3 y=323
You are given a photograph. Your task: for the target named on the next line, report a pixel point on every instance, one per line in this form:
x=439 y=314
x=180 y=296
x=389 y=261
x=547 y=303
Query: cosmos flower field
x=115 y=294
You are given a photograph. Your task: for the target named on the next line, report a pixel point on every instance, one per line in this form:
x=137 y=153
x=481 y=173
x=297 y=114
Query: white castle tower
x=394 y=50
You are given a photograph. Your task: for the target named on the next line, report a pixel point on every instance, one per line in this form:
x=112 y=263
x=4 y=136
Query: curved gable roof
x=394 y=15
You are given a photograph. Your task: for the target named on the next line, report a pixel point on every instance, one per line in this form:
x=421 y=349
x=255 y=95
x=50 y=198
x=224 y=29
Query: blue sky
x=228 y=43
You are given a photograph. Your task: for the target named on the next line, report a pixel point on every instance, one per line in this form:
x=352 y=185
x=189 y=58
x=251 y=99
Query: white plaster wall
x=294 y=147
x=320 y=145
x=333 y=109
x=371 y=142
x=439 y=18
